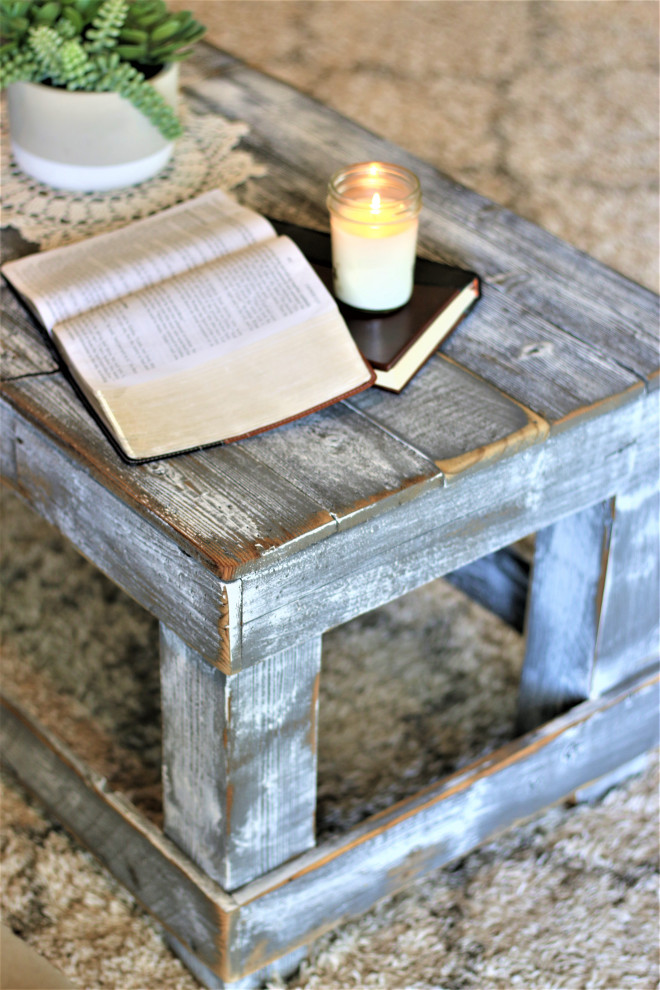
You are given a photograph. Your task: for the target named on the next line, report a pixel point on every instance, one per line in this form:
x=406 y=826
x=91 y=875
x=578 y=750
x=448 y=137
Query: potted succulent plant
x=92 y=87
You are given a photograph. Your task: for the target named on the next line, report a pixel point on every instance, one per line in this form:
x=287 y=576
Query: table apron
x=362 y=568
x=292 y=597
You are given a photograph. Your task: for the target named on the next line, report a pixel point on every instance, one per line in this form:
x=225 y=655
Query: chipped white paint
x=352 y=572
x=239 y=759
x=629 y=631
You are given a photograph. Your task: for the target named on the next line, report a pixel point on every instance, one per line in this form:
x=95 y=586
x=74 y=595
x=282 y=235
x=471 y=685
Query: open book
x=191 y=327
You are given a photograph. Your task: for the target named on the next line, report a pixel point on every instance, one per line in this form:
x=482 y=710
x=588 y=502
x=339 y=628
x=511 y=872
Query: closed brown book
x=396 y=344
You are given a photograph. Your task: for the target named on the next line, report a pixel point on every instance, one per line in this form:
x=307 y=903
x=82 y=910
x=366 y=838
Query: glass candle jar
x=374 y=215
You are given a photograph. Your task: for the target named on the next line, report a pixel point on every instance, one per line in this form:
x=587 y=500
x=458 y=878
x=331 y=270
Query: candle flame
x=375 y=203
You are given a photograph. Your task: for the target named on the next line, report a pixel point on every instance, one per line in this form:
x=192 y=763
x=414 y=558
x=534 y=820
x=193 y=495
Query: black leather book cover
x=383 y=338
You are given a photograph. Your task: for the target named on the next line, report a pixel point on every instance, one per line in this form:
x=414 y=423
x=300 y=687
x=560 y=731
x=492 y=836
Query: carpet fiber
x=551 y=109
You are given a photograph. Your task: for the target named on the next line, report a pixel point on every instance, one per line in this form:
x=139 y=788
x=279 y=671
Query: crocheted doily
x=205 y=157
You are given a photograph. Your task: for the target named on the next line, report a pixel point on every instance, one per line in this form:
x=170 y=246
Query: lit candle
x=374 y=215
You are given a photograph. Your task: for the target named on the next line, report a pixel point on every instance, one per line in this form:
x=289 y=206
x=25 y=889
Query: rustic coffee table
x=540 y=415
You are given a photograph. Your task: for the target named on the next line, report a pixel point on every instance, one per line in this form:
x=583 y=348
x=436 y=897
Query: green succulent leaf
x=148 y=20
x=106 y=25
x=74 y=18
x=165 y=31
x=95 y=45
x=132 y=53
x=134 y=35
x=48 y=14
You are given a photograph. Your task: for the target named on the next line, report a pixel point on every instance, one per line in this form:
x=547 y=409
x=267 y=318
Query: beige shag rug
x=550 y=108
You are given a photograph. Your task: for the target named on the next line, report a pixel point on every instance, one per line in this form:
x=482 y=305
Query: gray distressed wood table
x=540 y=415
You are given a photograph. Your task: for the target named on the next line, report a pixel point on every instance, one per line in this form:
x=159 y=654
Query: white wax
x=373 y=265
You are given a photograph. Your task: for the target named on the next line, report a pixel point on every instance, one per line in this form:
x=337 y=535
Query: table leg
x=592 y=614
x=239 y=759
x=629 y=627
x=277 y=971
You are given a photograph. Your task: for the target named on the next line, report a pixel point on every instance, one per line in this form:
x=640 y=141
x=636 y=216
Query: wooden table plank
x=149 y=564
x=23 y=350
x=533 y=361
x=345 y=462
x=549 y=277
x=148 y=864
x=219 y=505
x=233 y=935
x=452 y=415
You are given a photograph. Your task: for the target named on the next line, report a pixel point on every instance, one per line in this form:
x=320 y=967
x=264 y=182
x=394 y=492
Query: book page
x=303 y=368
x=196 y=316
x=66 y=281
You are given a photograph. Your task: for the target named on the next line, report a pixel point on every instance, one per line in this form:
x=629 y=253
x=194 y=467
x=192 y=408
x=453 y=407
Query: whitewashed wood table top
x=556 y=338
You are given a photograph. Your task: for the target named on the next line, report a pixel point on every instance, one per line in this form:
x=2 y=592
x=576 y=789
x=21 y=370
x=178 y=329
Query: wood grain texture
x=564 y=286
x=219 y=505
x=23 y=348
x=239 y=759
x=533 y=361
x=447 y=820
x=139 y=557
x=275 y=972
x=499 y=581
x=454 y=416
x=151 y=867
x=352 y=572
x=346 y=463
x=629 y=630
x=593 y=619
x=8 y=421
x=240 y=934
x=563 y=616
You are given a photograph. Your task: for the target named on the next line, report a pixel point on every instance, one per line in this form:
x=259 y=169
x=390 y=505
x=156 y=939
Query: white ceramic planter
x=87 y=141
